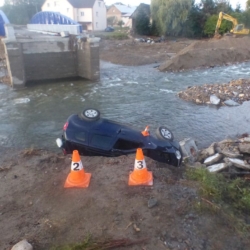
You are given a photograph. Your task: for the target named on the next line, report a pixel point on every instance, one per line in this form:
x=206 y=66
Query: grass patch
x=116 y=35
x=228 y=198
x=222 y=191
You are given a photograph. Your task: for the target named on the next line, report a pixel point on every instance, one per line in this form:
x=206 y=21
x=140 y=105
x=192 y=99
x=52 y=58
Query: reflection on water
x=137 y=96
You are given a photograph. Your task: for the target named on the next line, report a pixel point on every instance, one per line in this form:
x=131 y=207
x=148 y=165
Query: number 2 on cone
x=76 y=168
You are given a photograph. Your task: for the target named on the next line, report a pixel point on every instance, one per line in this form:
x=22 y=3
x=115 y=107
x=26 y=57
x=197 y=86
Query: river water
x=137 y=96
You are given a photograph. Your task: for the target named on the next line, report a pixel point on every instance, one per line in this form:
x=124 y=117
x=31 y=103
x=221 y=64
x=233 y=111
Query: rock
x=246 y=139
x=231 y=154
x=152 y=202
x=210 y=150
x=239 y=163
x=217 y=167
x=231 y=103
x=22 y=245
x=224 y=143
x=137 y=229
x=244 y=148
x=214 y=100
x=213 y=159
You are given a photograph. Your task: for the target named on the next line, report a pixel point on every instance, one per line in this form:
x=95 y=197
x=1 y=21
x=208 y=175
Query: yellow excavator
x=238 y=29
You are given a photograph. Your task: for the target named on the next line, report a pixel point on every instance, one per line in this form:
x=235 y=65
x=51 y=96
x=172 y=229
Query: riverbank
x=169 y=215
x=35 y=206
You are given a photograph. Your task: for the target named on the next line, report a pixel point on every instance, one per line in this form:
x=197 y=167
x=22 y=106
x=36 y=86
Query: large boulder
x=244 y=148
x=22 y=245
x=239 y=163
x=213 y=159
x=217 y=167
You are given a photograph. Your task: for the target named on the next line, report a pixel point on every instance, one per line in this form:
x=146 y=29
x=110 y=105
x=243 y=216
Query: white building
x=90 y=13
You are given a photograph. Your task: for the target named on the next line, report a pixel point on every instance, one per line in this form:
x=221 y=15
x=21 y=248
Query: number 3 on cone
x=139 y=165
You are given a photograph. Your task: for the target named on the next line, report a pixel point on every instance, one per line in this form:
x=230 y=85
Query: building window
x=54 y=3
x=82 y=13
x=48 y=5
x=68 y=10
x=113 y=10
x=99 y=4
x=96 y=13
x=96 y=24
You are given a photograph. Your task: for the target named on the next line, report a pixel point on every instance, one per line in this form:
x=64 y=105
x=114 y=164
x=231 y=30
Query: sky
x=137 y=2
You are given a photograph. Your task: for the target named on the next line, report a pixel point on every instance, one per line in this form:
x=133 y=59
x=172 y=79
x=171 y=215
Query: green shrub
x=117 y=35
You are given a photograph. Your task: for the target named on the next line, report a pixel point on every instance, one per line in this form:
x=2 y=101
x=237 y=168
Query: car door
x=100 y=143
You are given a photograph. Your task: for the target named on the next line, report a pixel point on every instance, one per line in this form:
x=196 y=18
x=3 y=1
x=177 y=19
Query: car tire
x=90 y=114
x=163 y=133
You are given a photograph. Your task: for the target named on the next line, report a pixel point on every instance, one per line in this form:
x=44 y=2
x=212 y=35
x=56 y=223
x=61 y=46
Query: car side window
x=101 y=141
x=81 y=136
x=123 y=144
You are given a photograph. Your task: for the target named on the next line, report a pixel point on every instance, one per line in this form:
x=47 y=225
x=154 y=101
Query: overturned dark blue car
x=90 y=134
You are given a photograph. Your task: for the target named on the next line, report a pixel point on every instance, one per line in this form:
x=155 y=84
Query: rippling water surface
x=137 y=96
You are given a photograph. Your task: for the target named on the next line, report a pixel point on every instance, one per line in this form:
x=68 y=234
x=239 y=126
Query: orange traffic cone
x=145 y=132
x=140 y=175
x=77 y=177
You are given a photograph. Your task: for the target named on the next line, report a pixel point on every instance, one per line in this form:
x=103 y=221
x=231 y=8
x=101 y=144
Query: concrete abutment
x=34 y=57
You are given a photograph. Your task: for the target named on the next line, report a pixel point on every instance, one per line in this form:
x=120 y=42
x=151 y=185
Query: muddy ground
x=35 y=206
x=131 y=53
x=177 y=54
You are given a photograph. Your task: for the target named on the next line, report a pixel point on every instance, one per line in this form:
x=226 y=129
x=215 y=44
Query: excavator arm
x=225 y=16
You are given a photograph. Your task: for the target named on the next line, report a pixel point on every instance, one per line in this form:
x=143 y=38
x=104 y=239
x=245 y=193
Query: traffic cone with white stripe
x=77 y=176
x=140 y=175
x=145 y=132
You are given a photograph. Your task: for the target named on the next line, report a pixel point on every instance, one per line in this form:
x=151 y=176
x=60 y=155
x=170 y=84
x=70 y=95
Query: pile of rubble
x=150 y=40
x=233 y=93
x=231 y=156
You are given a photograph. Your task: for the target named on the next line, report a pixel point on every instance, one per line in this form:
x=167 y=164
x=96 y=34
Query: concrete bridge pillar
x=88 y=62
x=34 y=57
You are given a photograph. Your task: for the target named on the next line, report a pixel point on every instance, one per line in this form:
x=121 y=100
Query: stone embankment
x=229 y=156
x=233 y=93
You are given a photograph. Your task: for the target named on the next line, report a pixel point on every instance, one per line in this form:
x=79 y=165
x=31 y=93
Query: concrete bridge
x=33 y=56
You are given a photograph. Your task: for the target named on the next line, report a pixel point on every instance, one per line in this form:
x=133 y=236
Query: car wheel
x=90 y=114
x=163 y=133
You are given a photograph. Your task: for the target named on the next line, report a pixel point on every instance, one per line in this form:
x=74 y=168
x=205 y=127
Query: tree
x=142 y=23
x=120 y=23
x=21 y=11
x=170 y=15
x=111 y=20
x=224 y=6
x=248 y=4
x=194 y=24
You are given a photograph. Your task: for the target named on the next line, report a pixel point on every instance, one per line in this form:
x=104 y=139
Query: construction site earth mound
x=210 y=53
